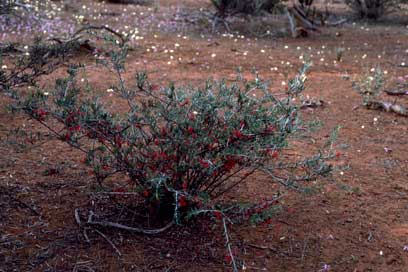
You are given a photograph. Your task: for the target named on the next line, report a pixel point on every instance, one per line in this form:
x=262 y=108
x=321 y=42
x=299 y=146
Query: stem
x=228 y=244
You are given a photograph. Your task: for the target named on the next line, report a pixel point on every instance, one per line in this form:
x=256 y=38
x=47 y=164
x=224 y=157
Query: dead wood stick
x=23 y=204
x=109 y=241
x=263 y=247
x=77 y=218
x=306 y=23
x=91 y=222
x=397 y=92
x=337 y=23
x=292 y=23
x=132 y=229
x=387 y=106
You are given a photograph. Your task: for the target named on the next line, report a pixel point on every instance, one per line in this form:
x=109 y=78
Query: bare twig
x=109 y=241
x=91 y=222
x=132 y=229
x=264 y=248
x=22 y=204
x=77 y=217
x=228 y=244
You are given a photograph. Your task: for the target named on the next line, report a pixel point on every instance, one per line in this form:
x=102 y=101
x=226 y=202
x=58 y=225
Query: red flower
x=101 y=140
x=237 y=134
x=40 y=114
x=137 y=125
x=163 y=131
x=275 y=154
x=67 y=136
x=159 y=155
x=269 y=129
x=185 y=186
x=204 y=163
x=190 y=130
x=218 y=215
x=229 y=164
x=146 y=193
x=118 y=140
x=268 y=222
x=185 y=102
x=338 y=154
x=227 y=258
x=182 y=202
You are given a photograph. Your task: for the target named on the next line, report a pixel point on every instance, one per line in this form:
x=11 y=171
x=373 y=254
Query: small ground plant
x=180 y=149
x=371 y=87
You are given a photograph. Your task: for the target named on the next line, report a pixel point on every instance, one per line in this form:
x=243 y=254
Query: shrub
x=179 y=149
x=251 y=7
x=370 y=86
x=372 y=9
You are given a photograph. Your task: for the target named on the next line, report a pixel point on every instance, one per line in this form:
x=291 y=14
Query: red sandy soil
x=357 y=222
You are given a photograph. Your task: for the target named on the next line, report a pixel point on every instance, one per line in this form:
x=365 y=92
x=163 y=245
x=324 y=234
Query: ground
x=358 y=221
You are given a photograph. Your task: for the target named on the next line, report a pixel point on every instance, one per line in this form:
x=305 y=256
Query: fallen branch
x=291 y=23
x=228 y=244
x=397 y=92
x=387 y=106
x=21 y=203
x=132 y=229
x=91 y=222
x=109 y=241
x=274 y=250
x=337 y=23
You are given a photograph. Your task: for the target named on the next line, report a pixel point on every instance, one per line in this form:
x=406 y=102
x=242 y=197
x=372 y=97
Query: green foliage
x=370 y=86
